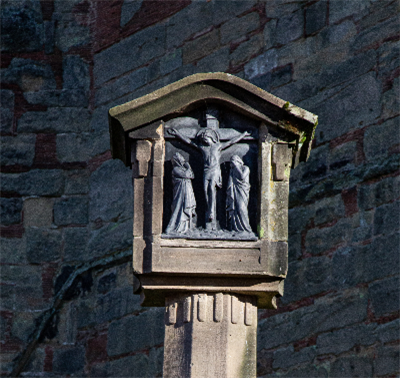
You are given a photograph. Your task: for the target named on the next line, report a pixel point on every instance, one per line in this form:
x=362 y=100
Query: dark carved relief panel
x=210 y=180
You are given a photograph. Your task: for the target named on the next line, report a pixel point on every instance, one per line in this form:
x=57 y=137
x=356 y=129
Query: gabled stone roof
x=221 y=88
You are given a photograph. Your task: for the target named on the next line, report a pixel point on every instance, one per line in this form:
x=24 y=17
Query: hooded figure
x=237 y=196
x=183 y=203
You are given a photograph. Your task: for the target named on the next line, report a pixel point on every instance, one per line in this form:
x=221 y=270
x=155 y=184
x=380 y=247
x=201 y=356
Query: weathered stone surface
x=73 y=147
x=13 y=250
x=289 y=27
x=261 y=65
x=337 y=34
x=319 y=240
x=287 y=357
x=379 y=193
x=341 y=9
x=348 y=266
x=122 y=86
x=111 y=192
x=379 y=138
x=110 y=238
x=377 y=33
x=316 y=16
x=75 y=73
x=38 y=212
x=309 y=370
x=7 y=99
x=390 y=100
x=269 y=34
x=4 y=323
x=190 y=20
x=387 y=360
x=217 y=61
x=200 y=47
x=116 y=304
x=327 y=313
x=171 y=62
x=142 y=365
x=306 y=278
x=49 y=182
x=69 y=361
x=343 y=109
x=238 y=27
x=338 y=341
x=128 y=10
x=29 y=74
x=276 y=78
x=343 y=156
x=72 y=210
x=223 y=11
x=56 y=120
x=352 y=367
x=49 y=36
x=329 y=209
x=24 y=275
x=23 y=324
x=44 y=245
x=21 y=26
x=75 y=241
x=18 y=150
x=10 y=211
x=77 y=182
x=129 y=54
x=69 y=31
x=389 y=331
x=385 y=296
x=381 y=257
x=246 y=50
x=387 y=218
x=146 y=330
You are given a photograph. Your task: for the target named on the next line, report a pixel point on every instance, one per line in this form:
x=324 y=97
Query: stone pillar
x=210 y=335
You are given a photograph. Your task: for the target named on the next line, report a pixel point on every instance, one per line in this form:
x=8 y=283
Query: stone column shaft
x=210 y=336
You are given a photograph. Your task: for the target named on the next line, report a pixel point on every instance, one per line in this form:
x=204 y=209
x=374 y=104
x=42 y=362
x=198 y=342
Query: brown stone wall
x=67 y=306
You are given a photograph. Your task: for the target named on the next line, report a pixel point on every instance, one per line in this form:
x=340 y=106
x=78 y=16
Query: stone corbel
x=142 y=158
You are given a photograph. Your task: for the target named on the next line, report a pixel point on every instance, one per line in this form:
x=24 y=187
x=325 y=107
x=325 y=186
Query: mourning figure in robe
x=183 y=203
x=237 y=198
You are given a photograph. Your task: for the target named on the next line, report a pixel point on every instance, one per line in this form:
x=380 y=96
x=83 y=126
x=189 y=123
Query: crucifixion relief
x=209 y=142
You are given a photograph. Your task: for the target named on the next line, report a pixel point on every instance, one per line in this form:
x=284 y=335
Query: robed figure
x=183 y=203
x=237 y=196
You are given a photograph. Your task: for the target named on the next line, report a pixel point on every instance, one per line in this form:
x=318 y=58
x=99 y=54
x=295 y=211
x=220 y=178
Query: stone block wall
x=67 y=306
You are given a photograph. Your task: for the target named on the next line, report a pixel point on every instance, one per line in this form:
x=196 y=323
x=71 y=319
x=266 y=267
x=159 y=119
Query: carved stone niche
x=213 y=252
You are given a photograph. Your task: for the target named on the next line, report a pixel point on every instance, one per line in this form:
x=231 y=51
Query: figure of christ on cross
x=210 y=147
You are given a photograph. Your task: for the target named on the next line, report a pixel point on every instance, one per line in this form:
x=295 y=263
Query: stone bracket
x=281 y=157
x=142 y=158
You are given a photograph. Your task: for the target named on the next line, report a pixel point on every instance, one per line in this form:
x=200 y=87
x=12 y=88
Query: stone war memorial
x=211 y=156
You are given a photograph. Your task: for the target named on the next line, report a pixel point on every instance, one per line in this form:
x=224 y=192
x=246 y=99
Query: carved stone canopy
x=259 y=138
x=177 y=99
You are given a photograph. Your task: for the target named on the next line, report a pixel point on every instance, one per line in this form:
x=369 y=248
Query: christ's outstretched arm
x=185 y=139
x=234 y=140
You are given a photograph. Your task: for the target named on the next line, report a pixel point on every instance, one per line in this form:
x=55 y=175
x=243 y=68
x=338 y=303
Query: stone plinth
x=210 y=335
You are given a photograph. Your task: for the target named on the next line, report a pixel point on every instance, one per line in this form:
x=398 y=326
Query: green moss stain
x=260 y=231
